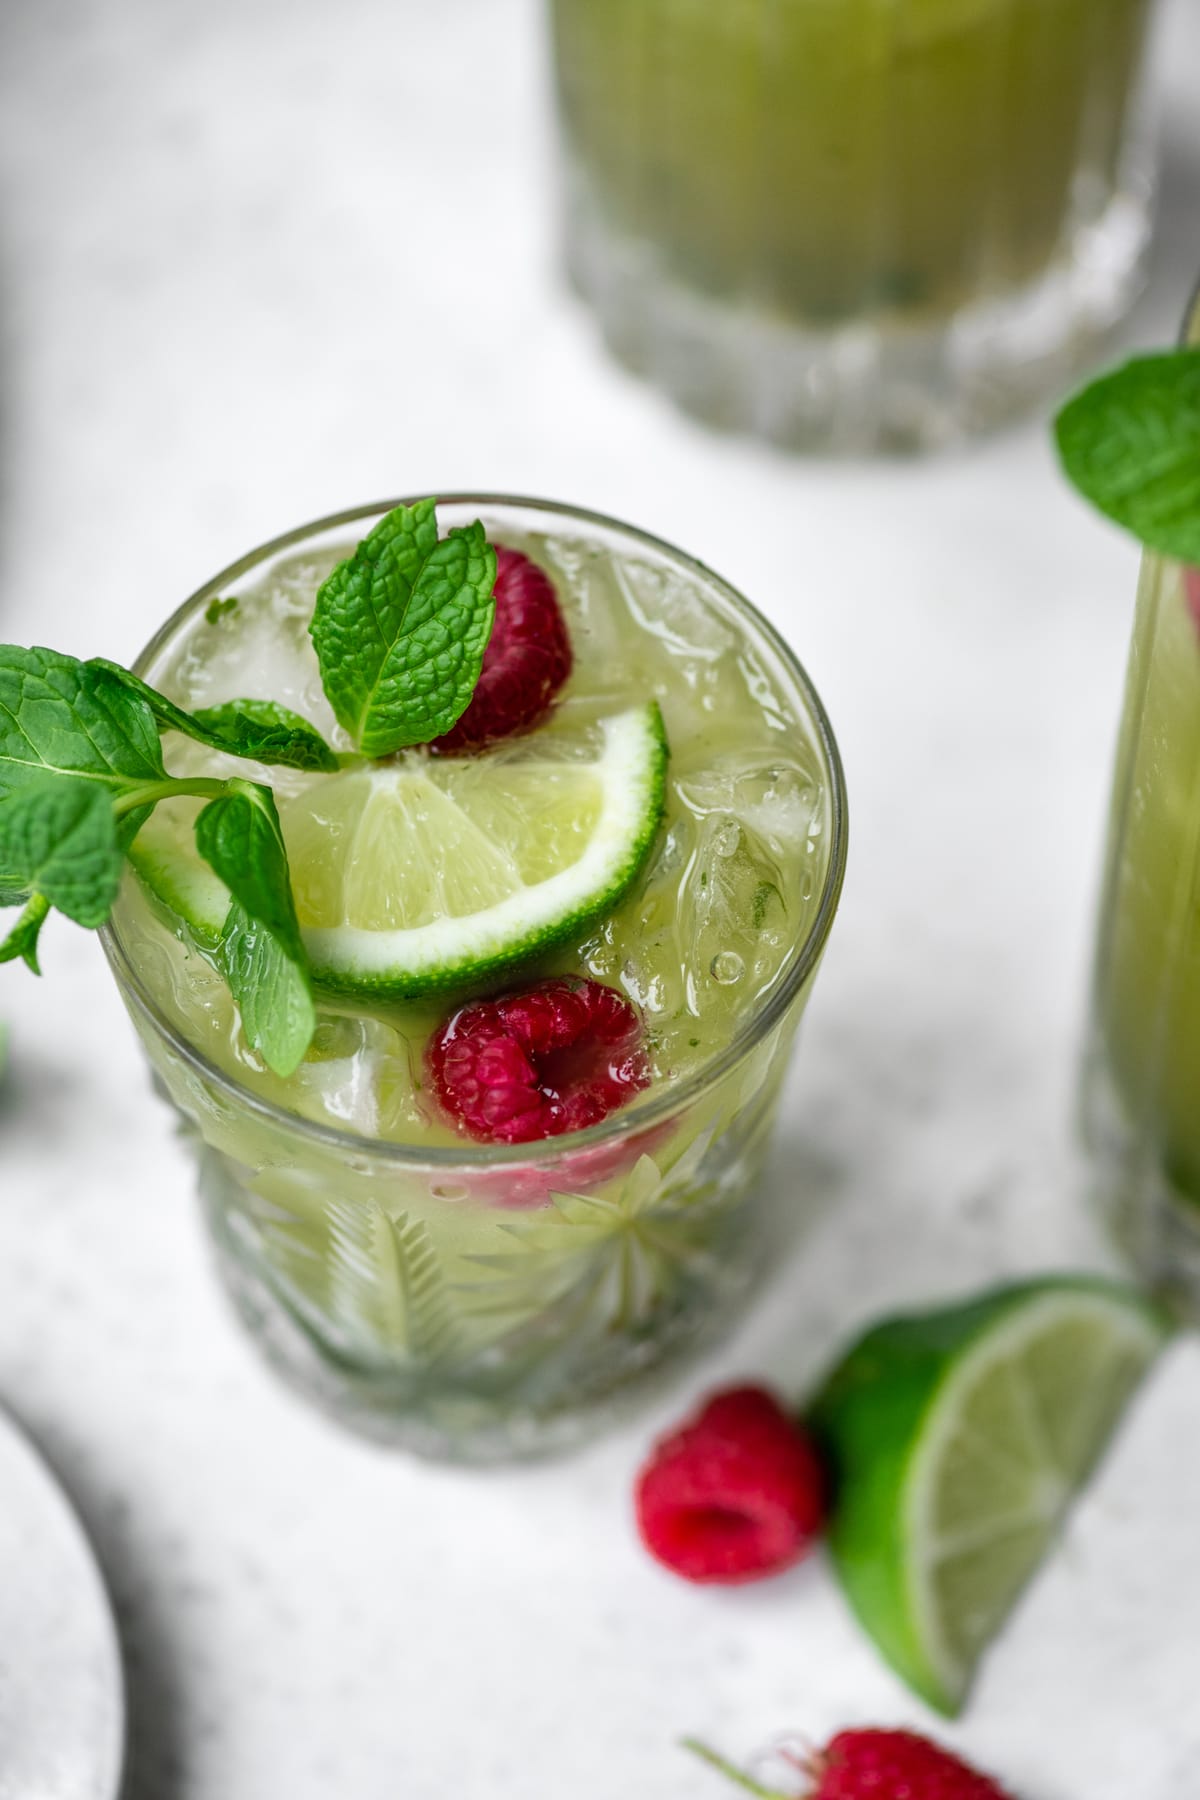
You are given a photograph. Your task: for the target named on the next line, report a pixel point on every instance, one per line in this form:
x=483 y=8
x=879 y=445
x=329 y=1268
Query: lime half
x=421 y=873
x=957 y=1439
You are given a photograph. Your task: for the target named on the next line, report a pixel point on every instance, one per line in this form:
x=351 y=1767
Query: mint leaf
x=261 y=730
x=58 y=839
x=266 y=732
x=1130 y=442
x=261 y=954
x=361 y=606
x=62 y=716
x=430 y=672
x=22 y=940
x=401 y=627
x=272 y=990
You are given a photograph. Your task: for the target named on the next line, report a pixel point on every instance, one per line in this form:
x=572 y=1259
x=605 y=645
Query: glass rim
x=673 y=1096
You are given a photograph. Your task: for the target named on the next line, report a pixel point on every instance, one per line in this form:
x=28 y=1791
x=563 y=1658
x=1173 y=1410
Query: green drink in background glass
x=1141 y=1091
x=853 y=221
x=483 y=1299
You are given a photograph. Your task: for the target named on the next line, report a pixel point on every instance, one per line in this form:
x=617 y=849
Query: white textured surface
x=253 y=255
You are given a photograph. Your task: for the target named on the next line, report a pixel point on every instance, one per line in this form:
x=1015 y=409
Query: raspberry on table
x=554 y=1057
x=736 y=1493
x=876 y=1764
x=872 y=1763
x=527 y=660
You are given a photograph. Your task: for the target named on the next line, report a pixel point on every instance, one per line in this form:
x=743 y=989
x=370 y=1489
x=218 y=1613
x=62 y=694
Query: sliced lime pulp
x=422 y=873
x=957 y=1440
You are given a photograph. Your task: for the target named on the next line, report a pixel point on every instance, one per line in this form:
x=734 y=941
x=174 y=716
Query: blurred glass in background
x=854 y=223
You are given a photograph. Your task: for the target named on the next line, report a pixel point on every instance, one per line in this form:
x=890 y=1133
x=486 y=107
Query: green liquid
x=400 y=1275
x=822 y=159
x=730 y=891
x=1148 y=974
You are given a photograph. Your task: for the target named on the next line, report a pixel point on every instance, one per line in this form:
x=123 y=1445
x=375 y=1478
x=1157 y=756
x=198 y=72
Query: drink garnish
x=557 y=1056
x=423 y=874
x=400 y=630
x=401 y=626
x=526 y=662
x=1130 y=442
x=261 y=730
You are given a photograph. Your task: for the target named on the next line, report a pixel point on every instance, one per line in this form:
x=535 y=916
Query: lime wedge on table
x=957 y=1440
x=419 y=873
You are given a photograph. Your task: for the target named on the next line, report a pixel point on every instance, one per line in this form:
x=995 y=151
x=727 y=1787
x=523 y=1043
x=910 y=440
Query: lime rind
x=1029 y=1527
x=182 y=890
x=447 y=953
x=896 y=1411
x=629 y=765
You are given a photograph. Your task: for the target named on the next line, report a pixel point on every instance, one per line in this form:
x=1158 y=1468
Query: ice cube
x=776 y=802
x=745 y=890
x=673 y=612
x=359 y=1075
x=258 y=648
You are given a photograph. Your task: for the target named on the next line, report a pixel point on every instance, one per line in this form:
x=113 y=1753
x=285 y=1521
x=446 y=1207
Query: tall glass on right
x=1141 y=1091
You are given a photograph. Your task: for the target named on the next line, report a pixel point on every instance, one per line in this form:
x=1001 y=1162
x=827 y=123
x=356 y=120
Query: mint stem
x=22 y=940
x=149 y=793
x=727 y=1769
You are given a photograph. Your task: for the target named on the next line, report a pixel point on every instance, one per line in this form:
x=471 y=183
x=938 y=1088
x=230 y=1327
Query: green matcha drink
x=1143 y=1085
x=749 y=182
x=443 y=1249
x=1130 y=443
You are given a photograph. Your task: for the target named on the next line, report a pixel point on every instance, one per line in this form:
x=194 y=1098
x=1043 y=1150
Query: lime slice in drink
x=422 y=873
x=957 y=1439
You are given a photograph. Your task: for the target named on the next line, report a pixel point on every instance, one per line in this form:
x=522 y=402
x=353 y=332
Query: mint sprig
x=259 y=730
x=58 y=838
x=266 y=732
x=59 y=716
x=261 y=953
x=80 y=769
x=400 y=629
x=1130 y=442
x=22 y=940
